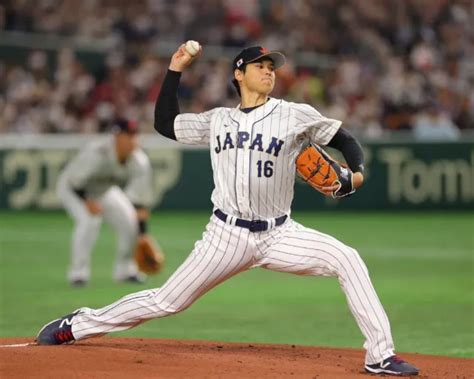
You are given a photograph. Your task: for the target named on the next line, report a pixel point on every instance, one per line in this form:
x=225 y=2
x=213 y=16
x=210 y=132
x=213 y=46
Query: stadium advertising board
x=408 y=176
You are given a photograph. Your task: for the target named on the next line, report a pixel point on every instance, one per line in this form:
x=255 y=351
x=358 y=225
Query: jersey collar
x=267 y=108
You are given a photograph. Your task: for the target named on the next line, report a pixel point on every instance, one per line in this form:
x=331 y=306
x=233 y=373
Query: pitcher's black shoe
x=392 y=366
x=57 y=332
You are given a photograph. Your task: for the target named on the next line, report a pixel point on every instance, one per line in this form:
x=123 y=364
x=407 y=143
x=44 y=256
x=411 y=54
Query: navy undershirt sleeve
x=167 y=106
x=350 y=149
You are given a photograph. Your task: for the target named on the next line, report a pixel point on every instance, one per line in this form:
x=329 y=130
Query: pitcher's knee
x=170 y=305
x=167 y=309
x=353 y=259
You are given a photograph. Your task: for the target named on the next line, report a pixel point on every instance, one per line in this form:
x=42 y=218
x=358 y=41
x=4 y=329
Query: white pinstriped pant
x=226 y=250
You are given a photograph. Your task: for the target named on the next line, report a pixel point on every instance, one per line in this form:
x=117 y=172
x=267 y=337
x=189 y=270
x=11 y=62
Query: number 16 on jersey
x=265 y=168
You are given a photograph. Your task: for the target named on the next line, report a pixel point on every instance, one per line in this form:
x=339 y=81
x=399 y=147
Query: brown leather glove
x=321 y=171
x=148 y=255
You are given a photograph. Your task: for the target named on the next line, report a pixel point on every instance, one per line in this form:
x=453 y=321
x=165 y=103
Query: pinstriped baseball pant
x=226 y=250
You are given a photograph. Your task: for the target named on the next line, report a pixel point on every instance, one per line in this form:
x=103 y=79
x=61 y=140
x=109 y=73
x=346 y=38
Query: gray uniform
x=253 y=157
x=116 y=187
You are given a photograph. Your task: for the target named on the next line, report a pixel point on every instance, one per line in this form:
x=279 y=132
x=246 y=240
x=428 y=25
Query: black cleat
x=78 y=283
x=135 y=279
x=393 y=366
x=57 y=332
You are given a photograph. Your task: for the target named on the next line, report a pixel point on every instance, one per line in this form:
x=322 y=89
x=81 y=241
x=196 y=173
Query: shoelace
x=397 y=359
x=64 y=336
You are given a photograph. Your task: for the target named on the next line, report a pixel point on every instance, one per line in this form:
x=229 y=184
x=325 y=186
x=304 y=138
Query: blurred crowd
x=394 y=65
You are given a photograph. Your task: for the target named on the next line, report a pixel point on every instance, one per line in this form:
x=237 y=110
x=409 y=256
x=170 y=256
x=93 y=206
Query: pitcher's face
x=258 y=77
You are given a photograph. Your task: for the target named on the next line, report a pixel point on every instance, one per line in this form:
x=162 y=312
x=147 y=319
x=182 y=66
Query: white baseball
x=192 y=47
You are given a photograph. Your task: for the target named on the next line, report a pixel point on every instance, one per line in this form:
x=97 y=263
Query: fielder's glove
x=319 y=169
x=148 y=255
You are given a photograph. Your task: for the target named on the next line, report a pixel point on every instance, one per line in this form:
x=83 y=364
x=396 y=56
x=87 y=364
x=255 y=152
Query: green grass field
x=422 y=265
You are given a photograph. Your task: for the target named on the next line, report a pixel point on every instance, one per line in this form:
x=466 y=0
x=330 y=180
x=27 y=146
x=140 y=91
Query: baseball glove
x=148 y=255
x=319 y=169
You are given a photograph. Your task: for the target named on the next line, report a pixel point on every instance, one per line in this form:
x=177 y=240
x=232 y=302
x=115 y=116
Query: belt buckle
x=258 y=226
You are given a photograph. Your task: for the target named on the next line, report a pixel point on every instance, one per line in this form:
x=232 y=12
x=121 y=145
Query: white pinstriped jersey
x=96 y=168
x=253 y=154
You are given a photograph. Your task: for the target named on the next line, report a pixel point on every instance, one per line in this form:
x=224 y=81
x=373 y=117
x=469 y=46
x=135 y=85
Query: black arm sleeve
x=350 y=149
x=167 y=107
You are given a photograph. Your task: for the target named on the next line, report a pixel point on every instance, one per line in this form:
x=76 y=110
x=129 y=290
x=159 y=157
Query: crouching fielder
x=108 y=180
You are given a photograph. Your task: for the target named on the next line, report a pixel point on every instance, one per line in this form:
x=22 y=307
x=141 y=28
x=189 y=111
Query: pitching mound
x=152 y=358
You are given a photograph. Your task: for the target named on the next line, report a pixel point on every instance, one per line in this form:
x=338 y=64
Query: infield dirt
x=156 y=358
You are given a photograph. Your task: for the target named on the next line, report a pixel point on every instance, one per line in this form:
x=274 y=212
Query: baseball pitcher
x=253 y=150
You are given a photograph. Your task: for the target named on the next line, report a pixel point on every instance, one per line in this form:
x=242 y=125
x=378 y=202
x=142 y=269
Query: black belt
x=253 y=226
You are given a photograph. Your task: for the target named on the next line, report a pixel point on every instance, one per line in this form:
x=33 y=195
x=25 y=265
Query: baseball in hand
x=192 y=47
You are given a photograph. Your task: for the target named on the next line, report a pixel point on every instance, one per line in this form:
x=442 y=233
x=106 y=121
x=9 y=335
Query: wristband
x=142 y=226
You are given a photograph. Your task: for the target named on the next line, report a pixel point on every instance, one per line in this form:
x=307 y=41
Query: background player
x=253 y=149
x=90 y=187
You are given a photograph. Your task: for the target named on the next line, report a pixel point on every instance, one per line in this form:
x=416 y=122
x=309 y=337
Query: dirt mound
x=153 y=358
